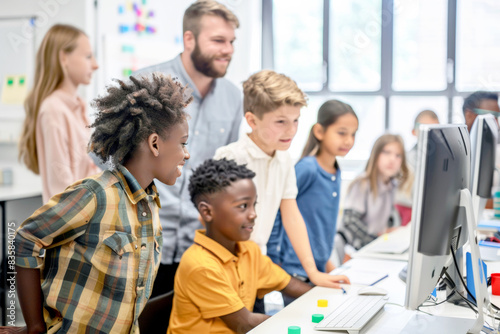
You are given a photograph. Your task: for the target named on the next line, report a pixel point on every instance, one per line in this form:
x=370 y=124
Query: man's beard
x=204 y=64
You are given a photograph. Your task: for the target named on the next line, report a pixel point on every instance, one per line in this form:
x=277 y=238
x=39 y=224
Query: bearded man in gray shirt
x=216 y=113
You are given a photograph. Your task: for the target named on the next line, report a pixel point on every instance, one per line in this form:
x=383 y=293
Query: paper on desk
x=391 y=246
x=492 y=225
x=360 y=276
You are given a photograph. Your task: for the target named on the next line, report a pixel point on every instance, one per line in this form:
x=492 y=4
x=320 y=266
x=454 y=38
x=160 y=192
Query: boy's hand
x=329 y=281
x=38 y=329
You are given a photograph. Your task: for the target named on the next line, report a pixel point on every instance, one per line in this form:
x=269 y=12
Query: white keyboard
x=352 y=314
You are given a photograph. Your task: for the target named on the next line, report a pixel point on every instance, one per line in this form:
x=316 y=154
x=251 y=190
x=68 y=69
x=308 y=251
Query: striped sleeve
x=62 y=219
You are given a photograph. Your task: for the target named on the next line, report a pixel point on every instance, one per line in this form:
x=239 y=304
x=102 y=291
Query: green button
x=10 y=81
x=317 y=318
x=21 y=80
x=294 y=330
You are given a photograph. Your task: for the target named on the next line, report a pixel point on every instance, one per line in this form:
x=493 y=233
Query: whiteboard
x=17 y=58
x=17 y=62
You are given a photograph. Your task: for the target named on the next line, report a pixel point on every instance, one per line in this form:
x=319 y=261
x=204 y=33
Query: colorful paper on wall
x=14 y=89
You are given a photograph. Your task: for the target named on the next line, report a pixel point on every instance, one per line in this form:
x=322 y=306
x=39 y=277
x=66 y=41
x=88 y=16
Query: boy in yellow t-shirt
x=222 y=273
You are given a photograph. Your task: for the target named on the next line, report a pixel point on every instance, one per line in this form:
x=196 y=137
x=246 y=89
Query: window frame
x=386 y=71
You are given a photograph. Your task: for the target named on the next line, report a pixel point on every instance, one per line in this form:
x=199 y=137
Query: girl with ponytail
x=318 y=182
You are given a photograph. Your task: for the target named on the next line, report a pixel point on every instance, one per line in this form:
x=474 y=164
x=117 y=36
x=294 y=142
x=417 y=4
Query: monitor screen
x=483 y=135
x=443 y=170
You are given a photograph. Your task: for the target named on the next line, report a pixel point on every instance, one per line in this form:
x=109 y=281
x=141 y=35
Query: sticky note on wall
x=14 y=89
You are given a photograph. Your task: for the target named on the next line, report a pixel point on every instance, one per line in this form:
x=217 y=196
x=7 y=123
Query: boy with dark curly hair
x=95 y=247
x=220 y=275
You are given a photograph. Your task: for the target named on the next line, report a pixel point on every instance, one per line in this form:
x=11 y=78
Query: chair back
x=156 y=314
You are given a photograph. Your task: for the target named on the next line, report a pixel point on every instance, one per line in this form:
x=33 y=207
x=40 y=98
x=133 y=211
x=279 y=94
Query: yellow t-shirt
x=211 y=282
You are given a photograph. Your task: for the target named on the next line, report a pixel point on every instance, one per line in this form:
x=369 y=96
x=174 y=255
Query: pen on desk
x=379 y=280
x=343 y=291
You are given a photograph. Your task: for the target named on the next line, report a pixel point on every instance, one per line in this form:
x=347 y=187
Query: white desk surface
x=401 y=234
x=391 y=320
x=25 y=185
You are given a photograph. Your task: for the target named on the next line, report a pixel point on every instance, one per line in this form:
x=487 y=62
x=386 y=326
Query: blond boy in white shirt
x=272 y=104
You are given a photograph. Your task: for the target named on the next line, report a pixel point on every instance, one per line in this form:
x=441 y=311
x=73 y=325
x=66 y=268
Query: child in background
x=369 y=204
x=423 y=117
x=220 y=275
x=272 y=104
x=318 y=182
x=55 y=131
x=95 y=248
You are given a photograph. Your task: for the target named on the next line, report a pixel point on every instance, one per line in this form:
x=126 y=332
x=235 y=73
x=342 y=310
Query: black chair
x=156 y=314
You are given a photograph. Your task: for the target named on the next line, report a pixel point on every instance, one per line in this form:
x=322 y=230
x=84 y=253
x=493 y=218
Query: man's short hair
x=200 y=8
x=425 y=113
x=266 y=91
x=213 y=176
x=474 y=100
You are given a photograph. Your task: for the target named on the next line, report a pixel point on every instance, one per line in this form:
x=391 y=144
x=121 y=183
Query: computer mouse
x=372 y=290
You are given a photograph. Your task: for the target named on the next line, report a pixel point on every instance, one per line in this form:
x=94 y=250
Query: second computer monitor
x=483 y=136
x=443 y=170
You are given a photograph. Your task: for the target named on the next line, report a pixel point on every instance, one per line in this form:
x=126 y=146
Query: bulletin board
x=133 y=34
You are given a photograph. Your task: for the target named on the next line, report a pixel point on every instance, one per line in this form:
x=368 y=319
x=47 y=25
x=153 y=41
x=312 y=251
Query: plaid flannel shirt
x=102 y=240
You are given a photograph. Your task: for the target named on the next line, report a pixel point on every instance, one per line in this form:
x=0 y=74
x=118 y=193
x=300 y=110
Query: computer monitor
x=483 y=136
x=442 y=215
x=443 y=170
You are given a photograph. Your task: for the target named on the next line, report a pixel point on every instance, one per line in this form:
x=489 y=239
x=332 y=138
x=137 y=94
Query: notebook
x=391 y=246
x=360 y=276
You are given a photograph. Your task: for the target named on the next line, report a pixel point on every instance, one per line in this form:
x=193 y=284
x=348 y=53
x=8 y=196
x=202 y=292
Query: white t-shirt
x=275 y=180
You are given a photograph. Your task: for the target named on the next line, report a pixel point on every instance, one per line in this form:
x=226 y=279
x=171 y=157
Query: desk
x=17 y=203
x=393 y=319
x=401 y=235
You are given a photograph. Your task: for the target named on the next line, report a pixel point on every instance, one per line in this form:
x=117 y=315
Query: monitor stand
x=440 y=324
x=428 y=324
x=477 y=268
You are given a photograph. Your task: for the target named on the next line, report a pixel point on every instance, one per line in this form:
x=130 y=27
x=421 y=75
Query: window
x=354 y=55
x=420 y=31
x=478 y=45
x=298 y=41
x=388 y=59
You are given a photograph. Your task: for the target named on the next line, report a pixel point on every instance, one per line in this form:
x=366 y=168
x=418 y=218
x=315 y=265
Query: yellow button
x=322 y=303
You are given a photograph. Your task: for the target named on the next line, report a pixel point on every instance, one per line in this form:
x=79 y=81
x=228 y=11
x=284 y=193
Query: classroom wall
x=98 y=19
x=79 y=13
x=116 y=50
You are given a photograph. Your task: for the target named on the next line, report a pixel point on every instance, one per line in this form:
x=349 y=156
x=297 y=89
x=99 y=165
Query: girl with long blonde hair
x=369 y=209
x=55 y=134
